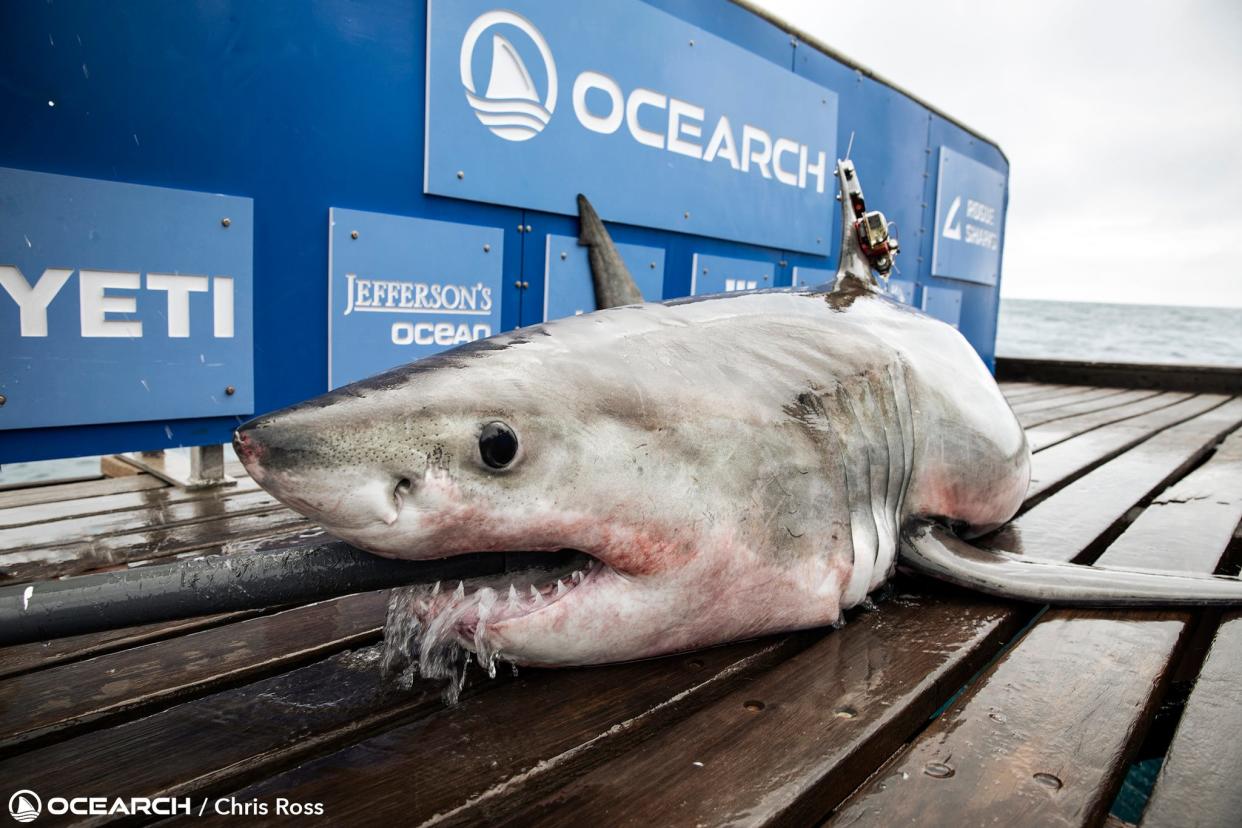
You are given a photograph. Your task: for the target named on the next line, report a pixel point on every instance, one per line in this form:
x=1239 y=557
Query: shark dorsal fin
x=614 y=285
x=859 y=264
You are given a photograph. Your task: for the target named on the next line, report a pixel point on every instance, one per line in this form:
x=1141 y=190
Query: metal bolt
x=230 y=390
x=765 y=278
x=487 y=248
x=781 y=263
x=564 y=255
x=938 y=770
x=528 y=228
x=353 y=234
x=686 y=214
x=3 y=399
x=754 y=706
x=1048 y=780
x=652 y=265
x=226 y=221
x=793 y=41
x=461 y=174
x=521 y=229
x=692 y=43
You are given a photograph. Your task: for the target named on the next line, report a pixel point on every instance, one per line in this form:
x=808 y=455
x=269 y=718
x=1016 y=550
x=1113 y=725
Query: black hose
x=44 y=610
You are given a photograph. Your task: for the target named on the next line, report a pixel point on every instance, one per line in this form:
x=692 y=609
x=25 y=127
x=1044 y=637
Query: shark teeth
x=560 y=587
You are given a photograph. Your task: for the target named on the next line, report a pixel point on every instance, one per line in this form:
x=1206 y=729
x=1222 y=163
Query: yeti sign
x=122 y=303
x=660 y=123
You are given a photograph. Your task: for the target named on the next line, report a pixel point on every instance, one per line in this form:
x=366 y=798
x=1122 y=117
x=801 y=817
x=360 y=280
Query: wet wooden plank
x=1035 y=740
x=1031 y=419
x=1042 y=391
x=50 y=534
x=786 y=747
x=59 y=699
x=1094 y=503
x=1024 y=390
x=1047 y=734
x=71 y=491
x=24 y=658
x=217 y=742
x=1054 y=467
x=1198 y=783
x=1049 y=434
x=202 y=537
x=143 y=499
x=543 y=727
x=1064 y=397
x=1188 y=524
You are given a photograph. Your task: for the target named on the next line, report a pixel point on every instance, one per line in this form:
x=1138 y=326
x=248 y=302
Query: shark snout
x=320 y=478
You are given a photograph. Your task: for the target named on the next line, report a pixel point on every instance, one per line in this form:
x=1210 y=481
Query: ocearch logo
x=511 y=106
x=24 y=806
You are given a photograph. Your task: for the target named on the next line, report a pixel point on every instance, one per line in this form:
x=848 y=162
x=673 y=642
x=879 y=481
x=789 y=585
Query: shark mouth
x=433 y=631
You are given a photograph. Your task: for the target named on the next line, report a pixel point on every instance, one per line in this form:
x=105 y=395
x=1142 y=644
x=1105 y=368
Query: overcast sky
x=1122 y=122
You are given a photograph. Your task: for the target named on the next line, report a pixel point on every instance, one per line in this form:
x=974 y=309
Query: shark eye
x=498 y=445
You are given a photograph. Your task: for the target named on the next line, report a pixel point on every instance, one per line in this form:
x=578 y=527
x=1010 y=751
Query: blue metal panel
x=134 y=302
x=301 y=106
x=970 y=199
x=811 y=276
x=980 y=303
x=943 y=303
x=568 y=288
x=532 y=104
x=405 y=288
x=722 y=274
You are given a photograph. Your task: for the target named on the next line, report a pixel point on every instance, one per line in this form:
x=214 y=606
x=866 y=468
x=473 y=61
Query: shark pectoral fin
x=933 y=550
x=613 y=283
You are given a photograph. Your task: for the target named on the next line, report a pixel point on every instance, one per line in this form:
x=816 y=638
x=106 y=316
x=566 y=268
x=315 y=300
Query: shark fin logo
x=511 y=106
x=953 y=227
x=25 y=806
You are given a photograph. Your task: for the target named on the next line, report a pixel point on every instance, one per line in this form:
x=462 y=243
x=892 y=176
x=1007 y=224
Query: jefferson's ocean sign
x=122 y=303
x=533 y=103
x=970 y=207
x=405 y=288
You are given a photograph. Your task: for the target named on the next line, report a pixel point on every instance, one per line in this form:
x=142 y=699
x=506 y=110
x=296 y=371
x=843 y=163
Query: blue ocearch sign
x=970 y=206
x=660 y=123
x=404 y=288
x=121 y=302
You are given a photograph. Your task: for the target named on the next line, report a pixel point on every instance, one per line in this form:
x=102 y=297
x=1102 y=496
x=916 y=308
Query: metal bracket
x=201 y=467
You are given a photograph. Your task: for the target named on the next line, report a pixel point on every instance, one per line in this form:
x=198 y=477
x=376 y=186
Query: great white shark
x=692 y=472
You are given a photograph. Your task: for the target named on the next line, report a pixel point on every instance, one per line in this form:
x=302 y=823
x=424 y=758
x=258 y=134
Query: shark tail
x=935 y=551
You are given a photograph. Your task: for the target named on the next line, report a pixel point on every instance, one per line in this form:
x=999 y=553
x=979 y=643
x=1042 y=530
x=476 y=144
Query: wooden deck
x=939 y=708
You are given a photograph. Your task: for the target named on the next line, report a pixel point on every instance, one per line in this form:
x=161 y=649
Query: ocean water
x=1176 y=335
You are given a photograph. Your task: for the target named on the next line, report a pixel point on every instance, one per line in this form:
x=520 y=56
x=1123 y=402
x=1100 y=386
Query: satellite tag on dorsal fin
x=614 y=285
x=867 y=248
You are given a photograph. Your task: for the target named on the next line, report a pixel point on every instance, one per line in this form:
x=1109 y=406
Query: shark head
x=572 y=443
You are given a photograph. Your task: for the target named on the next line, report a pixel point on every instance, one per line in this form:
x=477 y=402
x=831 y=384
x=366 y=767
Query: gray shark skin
x=726 y=467
x=734 y=465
